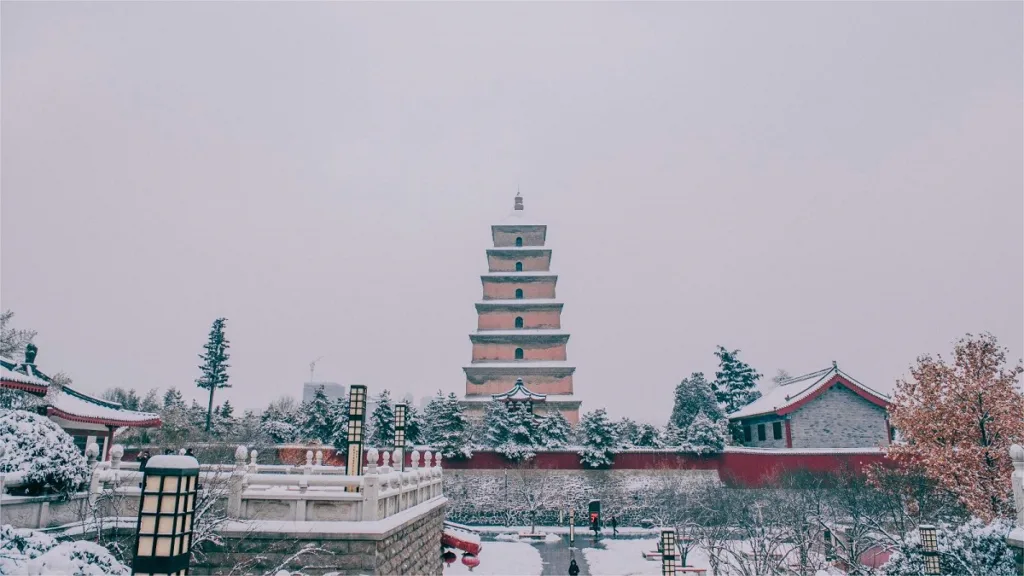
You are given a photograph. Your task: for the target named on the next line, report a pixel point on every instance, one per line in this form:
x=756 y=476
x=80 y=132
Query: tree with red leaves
x=958 y=422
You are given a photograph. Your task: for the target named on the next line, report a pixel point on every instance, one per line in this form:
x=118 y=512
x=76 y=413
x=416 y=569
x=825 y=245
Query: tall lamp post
x=356 y=414
x=400 y=414
x=930 y=549
x=668 y=552
x=163 y=539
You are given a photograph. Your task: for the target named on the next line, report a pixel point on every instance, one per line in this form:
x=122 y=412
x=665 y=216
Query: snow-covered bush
x=705 y=436
x=553 y=431
x=43 y=455
x=32 y=553
x=598 y=436
x=511 y=430
x=972 y=549
x=280 y=432
x=449 y=430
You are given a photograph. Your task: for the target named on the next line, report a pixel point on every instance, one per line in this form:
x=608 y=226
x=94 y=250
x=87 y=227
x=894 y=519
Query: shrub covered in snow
x=599 y=439
x=31 y=553
x=40 y=452
x=705 y=436
x=974 y=549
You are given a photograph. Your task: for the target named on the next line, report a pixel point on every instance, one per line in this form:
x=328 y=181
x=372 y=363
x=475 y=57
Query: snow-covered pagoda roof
x=521 y=332
x=525 y=273
x=76 y=406
x=790 y=395
x=519 y=303
x=26 y=381
x=523 y=364
x=519 y=392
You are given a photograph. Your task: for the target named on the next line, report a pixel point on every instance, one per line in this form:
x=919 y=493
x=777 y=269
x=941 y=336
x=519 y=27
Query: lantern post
x=163 y=540
x=930 y=549
x=668 y=552
x=401 y=411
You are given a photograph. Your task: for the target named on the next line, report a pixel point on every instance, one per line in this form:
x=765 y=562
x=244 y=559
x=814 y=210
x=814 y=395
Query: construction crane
x=312 y=368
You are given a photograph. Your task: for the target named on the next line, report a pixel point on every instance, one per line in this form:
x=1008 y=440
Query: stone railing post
x=92 y=453
x=386 y=460
x=319 y=458
x=116 y=453
x=235 y=484
x=371 y=486
x=428 y=475
x=252 y=462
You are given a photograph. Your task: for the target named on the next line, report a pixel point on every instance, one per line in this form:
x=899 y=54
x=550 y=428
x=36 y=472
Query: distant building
x=332 y=390
x=823 y=409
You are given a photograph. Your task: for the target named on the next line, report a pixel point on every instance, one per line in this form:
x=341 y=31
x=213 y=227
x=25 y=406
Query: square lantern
x=668 y=552
x=163 y=540
x=400 y=415
x=930 y=549
x=356 y=415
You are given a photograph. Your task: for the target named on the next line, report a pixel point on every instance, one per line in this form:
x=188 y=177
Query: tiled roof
x=793 y=393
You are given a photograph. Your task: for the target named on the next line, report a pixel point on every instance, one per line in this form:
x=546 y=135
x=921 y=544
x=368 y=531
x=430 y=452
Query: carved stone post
x=235 y=484
x=371 y=486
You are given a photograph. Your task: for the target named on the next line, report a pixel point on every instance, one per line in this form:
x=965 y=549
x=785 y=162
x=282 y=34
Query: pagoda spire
x=518 y=201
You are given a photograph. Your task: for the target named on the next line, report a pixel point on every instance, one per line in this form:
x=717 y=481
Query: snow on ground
x=624 y=558
x=502 y=559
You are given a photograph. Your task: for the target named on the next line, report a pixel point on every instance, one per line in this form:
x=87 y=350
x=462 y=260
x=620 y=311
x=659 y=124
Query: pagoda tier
x=519 y=347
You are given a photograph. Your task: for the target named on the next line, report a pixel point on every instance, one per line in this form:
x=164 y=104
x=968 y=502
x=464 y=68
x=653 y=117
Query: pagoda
x=519 y=345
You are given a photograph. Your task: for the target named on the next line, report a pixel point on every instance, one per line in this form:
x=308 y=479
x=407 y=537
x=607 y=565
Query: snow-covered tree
x=382 y=422
x=735 y=383
x=127 y=398
x=24 y=551
x=511 y=430
x=215 y=364
x=449 y=428
x=279 y=432
x=12 y=340
x=959 y=421
x=971 y=549
x=173 y=398
x=647 y=436
x=598 y=436
x=553 y=430
x=693 y=396
x=626 y=431
x=36 y=449
x=319 y=423
x=414 y=432
x=705 y=436
x=673 y=436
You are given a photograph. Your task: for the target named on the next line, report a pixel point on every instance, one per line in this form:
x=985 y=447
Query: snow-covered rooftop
x=8 y=375
x=549 y=398
x=519 y=392
x=519 y=249
x=800 y=388
x=520 y=332
x=521 y=302
x=70 y=404
x=522 y=364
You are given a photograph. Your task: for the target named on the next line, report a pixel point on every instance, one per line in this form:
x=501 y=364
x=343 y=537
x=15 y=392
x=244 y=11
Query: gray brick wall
x=769 y=441
x=839 y=418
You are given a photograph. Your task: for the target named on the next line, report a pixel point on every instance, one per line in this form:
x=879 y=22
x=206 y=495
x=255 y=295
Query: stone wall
x=38 y=512
x=839 y=418
x=407 y=543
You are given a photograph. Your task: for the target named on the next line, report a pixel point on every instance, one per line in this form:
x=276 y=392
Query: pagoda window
x=519 y=266
x=519 y=240
x=519 y=293
x=519 y=353
x=519 y=321
x=761 y=433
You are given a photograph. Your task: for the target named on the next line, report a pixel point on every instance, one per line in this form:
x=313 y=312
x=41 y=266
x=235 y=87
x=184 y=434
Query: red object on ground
x=470 y=560
x=464 y=542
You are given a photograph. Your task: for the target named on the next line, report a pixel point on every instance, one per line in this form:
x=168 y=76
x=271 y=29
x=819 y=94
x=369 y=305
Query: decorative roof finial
x=834 y=365
x=519 y=200
x=30 y=353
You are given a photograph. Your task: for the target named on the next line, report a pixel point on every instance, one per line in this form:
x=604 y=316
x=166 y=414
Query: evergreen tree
x=173 y=398
x=414 y=433
x=227 y=410
x=339 y=410
x=215 y=364
x=647 y=437
x=319 y=422
x=450 y=429
x=705 y=436
x=735 y=383
x=553 y=430
x=12 y=340
x=627 y=430
x=673 y=436
x=599 y=439
x=693 y=396
x=382 y=422
x=511 y=430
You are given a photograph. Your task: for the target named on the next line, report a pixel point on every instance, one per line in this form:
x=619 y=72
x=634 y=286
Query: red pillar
x=108 y=444
x=789 y=435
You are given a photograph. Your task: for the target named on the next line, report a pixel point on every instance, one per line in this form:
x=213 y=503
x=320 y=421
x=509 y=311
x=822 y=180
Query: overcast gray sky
x=806 y=182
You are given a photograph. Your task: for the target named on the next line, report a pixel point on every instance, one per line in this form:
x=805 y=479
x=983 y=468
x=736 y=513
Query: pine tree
x=705 y=436
x=627 y=430
x=382 y=422
x=599 y=439
x=215 y=364
x=511 y=430
x=694 y=395
x=227 y=410
x=647 y=437
x=319 y=423
x=339 y=411
x=413 y=427
x=735 y=383
x=173 y=398
x=450 y=430
x=553 y=430
x=673 y=436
